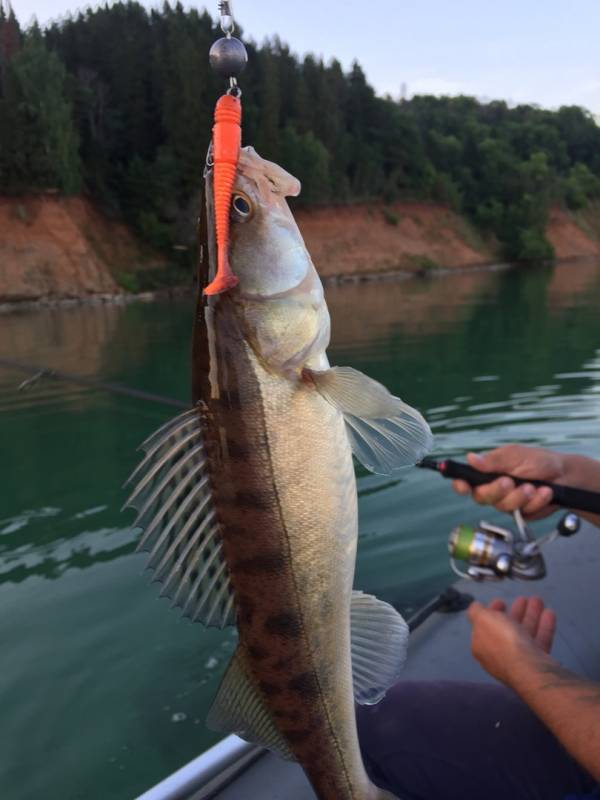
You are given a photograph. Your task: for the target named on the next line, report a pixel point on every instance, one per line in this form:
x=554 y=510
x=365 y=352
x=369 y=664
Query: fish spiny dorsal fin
x=172 y=495
x=385 y=433
x=379 y=641
x=238 y=708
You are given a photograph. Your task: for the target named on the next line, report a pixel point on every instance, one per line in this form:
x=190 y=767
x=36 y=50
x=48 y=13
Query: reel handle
x=565 y=496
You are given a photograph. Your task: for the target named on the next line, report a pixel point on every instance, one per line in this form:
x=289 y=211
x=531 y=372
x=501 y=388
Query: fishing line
x=39 y=373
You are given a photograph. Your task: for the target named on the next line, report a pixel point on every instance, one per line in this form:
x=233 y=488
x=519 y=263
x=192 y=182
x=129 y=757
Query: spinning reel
x=491 y=552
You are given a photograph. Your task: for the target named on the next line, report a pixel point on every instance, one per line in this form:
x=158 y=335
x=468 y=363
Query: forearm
x=583 y=473
x=568 y=705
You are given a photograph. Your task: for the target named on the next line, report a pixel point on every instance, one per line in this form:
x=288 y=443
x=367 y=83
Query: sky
x=535 y=51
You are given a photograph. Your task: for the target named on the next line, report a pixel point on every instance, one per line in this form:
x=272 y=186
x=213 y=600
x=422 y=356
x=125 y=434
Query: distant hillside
x=118 y=102
x=53 y=248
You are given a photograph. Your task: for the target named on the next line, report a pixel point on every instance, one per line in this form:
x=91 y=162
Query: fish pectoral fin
x=385 y=433
x=173 y=498
x=379 y=642
x=238 y=708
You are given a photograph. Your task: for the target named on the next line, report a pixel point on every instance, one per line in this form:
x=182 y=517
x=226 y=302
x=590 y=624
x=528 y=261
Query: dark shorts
x=465 y=741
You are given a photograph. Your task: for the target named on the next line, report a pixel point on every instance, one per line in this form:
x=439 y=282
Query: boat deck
x=439 y=649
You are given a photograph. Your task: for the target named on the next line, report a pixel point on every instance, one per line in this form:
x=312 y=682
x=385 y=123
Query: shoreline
x=387 y=276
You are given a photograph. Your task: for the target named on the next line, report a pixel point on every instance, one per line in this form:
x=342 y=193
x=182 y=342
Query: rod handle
x=565 y=496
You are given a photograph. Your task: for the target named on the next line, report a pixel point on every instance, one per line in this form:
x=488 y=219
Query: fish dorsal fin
x=172 y=496
x=385 y=433
x=238 y=708
x=379 y=641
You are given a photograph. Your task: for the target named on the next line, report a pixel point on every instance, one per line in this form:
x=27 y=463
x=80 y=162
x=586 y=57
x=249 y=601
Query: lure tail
x=227 y=139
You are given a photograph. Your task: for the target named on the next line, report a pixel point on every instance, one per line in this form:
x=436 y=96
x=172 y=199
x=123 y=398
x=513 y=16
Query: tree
x=39 y=144
x=308 y=160
x=120 y=100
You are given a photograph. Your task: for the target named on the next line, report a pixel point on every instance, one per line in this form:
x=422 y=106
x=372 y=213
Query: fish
x=248 y=501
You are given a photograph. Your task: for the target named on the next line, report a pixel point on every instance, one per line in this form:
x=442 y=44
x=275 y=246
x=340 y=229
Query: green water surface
x=103 y=690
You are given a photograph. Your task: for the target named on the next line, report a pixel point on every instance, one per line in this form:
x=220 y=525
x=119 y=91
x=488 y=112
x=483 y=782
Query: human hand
x=502 y=642
x=523 y=462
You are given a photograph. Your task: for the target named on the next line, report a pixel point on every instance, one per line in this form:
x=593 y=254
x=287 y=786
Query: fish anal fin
x=379 y=642
x=238 y=708
x=385 y=432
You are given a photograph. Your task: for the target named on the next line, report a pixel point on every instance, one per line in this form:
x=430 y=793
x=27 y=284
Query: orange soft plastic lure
x=227 y=140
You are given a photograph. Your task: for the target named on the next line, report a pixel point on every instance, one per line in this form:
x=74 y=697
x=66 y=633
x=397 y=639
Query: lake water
x=103 y=690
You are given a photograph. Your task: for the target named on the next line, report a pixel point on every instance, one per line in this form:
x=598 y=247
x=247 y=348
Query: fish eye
x=241 y=204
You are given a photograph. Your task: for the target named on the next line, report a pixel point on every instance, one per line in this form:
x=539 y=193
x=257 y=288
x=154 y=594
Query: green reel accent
x=464 y=539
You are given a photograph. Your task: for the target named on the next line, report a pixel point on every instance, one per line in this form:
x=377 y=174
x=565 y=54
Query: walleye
x=248 y=500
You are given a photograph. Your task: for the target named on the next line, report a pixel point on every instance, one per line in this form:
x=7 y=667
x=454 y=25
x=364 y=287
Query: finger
x=517 y=610
x=497 y=605
x=474 y=611
x=540 y=499
x=531 y=618
x=478 y=461
x=546 y=629
x=493 y=493
x=461 y=487
x=518 y=498
x=485 y=462
x=497 y=460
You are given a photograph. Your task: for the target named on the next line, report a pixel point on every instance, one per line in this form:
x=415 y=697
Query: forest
x=117 y=102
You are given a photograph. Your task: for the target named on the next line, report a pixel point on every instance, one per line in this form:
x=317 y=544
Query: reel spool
x=491 y=552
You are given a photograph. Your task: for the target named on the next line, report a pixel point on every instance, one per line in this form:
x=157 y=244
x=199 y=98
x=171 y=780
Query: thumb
x=485 y=462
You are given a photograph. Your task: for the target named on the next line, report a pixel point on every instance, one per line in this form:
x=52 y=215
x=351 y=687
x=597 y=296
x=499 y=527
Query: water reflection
x=510 y=338
x=572 y=282
x=72 y=339
x=369 y=312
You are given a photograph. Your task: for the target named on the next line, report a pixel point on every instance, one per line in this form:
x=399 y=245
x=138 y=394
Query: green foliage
x=120 y=99
x=530 y=244
x=303 y=154
x=153 y=230
x=390 y=217
x=38 y=140
x=581 y=185
x=424 y=265
x=129 y=281
x=150 y=280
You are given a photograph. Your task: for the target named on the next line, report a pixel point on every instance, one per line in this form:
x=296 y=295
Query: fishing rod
x=39 y=373
x=493 y=552
x=564 y=496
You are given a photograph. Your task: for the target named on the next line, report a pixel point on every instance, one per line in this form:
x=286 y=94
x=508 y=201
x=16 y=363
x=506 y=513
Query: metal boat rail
x=201 y=778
